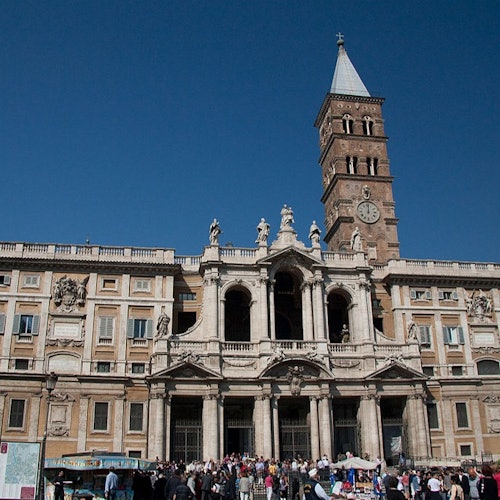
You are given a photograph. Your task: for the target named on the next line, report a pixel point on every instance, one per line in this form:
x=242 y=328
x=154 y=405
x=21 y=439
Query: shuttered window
x=106 y=327
x=26 y=324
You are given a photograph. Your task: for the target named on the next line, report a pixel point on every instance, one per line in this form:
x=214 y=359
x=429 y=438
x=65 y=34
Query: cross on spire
x=340 y=36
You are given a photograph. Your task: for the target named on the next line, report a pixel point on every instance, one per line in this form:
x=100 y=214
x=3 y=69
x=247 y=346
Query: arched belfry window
x=372 y=166
x=237 y=316
x=351 y=164
x=347 y=123
x=367 y=125
x=338 y=318
x=288 y=306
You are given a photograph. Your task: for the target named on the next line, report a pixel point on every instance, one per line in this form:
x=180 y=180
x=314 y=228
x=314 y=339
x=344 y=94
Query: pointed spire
x=345 y=78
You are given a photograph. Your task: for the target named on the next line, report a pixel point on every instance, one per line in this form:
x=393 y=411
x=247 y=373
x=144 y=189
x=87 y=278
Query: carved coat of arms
x=69 y=293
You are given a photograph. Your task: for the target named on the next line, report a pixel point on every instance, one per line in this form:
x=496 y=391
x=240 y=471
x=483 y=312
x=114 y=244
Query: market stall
x=355 y=487
x=85 y=475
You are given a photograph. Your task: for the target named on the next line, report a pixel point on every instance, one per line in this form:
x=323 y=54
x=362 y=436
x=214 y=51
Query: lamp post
x=50 y=384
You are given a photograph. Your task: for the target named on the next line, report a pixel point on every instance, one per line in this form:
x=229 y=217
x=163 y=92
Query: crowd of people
x=243 y=478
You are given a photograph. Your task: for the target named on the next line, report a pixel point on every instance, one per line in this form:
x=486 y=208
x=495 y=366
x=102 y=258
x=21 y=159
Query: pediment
x=292 y=257
x=186 y=370
x=396 y=371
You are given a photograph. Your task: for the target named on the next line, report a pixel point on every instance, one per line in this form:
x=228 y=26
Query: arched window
x=367 y=125
x=237 y=316
x=347 y=123
x=288 y=307
x=338 y=317
x=488 y=367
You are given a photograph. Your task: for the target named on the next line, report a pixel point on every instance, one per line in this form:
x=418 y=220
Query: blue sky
x=136 y=123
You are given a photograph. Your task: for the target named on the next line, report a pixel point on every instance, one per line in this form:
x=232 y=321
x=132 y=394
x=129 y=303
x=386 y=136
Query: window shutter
x=460 y=331
x=36 y=325
x=17 y=324
x=425 y=334
x=441 y=295
x=2 y=324
x=454 y=295
x=149 y=329
x=413 y=294
x=130 y=328
x=6 y=280
x=106 y=327
x=446 y=335
x=428 y=295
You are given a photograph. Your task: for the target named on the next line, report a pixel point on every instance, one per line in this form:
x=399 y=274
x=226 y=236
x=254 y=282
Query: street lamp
x=50 y=385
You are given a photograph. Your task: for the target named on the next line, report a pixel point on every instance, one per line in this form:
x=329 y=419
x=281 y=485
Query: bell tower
x=357 y=185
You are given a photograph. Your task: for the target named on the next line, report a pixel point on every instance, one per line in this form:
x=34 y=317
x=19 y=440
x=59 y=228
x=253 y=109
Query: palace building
x=279 y=350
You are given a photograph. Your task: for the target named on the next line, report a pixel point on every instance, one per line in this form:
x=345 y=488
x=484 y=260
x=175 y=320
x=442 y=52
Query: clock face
x=368 y=212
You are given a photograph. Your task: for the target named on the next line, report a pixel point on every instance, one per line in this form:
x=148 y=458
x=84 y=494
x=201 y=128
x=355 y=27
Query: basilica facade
x=280 y=350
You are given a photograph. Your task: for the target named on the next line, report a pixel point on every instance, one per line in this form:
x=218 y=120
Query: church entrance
x=391 y=410
x=238 y=426
x=295 y=433
x=186 y=430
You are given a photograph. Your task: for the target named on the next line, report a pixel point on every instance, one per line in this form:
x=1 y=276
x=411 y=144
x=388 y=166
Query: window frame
x=98 y=407
x=136 y=416
x=463 y=415
x=15 y=413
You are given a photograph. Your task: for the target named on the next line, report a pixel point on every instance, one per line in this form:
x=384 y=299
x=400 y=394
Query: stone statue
x=262 y=232
x=162 y=325
x=346 y=336
x=412 y=330
x=214 y=232
x=286 y=217
x=314 y=233
x=295 y=378
x=366 y=192
x=356 y=243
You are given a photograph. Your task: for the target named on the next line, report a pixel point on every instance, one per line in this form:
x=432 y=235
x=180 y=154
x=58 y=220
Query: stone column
x=267 y=426
x=307 y=317
x=363 y=322
x=371 y=431
x=318 y=311
x=416 y=416
x=211 y=282
x=276 y=426
x=168 y=425
x=313 y=405
x=399 y=324
x=325 y=426
x=258 y=427
x=210 y=427
x=156 y=438
x=264 y=312
x=272 y=310
x=220 y=411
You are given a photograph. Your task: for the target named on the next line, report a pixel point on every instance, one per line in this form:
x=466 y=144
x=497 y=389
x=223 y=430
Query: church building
x=280 y=350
